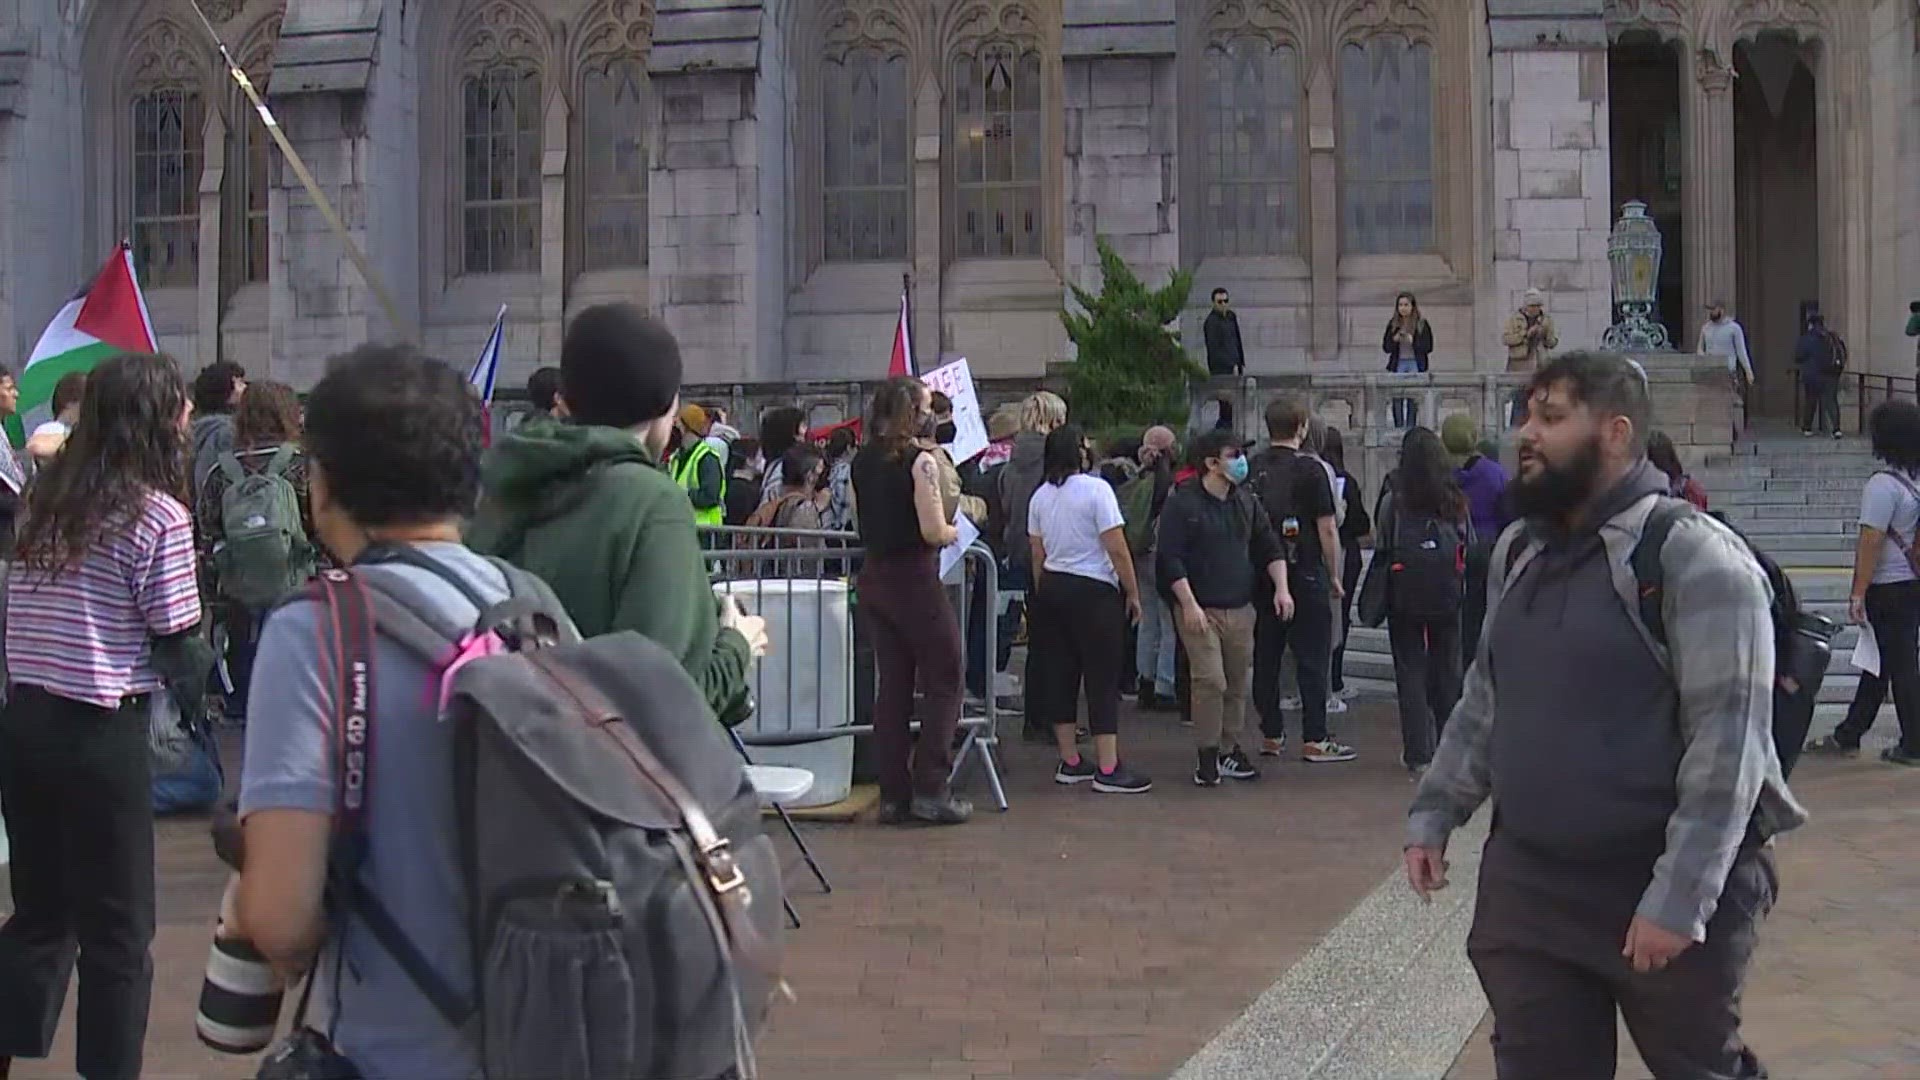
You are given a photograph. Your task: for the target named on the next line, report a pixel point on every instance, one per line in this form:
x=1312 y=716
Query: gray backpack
x=264 y=553
x=624 y=905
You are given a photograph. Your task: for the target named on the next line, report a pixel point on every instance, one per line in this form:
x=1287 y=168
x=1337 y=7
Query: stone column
x=553 y=225
x=1706 y=136
x=207 y=294
x=1323 y=226
x=929 y=335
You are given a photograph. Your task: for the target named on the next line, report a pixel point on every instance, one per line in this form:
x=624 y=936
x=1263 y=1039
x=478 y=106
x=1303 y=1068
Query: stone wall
x=46 y=251
x=1894 y=50
x=1122 y=166
x=1552 y=179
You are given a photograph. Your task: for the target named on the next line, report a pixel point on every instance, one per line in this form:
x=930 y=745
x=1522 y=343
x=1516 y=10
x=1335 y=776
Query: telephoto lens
x=241 y=995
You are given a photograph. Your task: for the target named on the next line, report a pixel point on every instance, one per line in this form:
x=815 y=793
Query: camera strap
x=346 y=636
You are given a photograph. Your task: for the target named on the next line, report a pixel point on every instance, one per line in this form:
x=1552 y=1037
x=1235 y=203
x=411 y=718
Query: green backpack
x=266 y=553
x=1136 y=509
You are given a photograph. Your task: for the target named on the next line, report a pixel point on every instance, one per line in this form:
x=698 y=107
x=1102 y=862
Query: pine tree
x=1131 y=370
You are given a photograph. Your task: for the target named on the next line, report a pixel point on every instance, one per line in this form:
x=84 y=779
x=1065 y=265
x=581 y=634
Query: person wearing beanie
x=1483 y=480
x=698 y=468
x=590 y=508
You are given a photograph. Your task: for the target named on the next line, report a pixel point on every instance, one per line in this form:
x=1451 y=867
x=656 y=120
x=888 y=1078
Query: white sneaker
x=1335 y=706
x=1290 y=703
x=1346 y=693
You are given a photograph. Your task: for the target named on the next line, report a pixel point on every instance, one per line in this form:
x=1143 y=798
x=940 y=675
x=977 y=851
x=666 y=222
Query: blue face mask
x=1237 y=470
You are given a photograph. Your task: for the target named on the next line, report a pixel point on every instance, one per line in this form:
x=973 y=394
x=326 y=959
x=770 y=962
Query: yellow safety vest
x=686 y=473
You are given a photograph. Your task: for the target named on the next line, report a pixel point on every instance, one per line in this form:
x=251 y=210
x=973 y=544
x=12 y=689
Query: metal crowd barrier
x=779 y=573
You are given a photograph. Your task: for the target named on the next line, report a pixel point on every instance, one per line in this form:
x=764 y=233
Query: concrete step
x=1769 y=445
x=1763 y=530
x=1729 y=484
x=1830 y=497
x=1791 y=511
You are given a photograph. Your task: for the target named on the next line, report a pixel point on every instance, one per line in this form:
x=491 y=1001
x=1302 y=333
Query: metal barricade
x=770 y=571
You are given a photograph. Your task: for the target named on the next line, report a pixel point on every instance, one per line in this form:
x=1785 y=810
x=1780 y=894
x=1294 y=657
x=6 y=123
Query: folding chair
x=799 y=841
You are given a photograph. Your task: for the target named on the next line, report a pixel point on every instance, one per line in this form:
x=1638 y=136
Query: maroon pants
x=916 y=644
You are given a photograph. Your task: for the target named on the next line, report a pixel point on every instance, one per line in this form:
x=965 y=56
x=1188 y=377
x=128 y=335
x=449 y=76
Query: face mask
x=926 y=428
x=946 y=433
x=1237 y=470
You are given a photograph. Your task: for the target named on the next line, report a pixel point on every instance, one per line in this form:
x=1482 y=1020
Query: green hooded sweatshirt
x=591 y=512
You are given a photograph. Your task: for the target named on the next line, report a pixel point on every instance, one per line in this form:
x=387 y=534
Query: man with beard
x=1636 y=790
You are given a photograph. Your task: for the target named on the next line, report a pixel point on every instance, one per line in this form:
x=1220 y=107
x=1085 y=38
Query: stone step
x=1770 y=445
x=1727 y=484
x=1763 y=530
x=1803 y=511
x=1828 y=497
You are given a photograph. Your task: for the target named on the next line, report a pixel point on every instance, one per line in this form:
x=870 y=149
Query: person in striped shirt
x=103 y=576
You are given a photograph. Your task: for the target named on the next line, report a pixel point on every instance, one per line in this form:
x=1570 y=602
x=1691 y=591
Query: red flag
x=902 y=361
x=114 y=310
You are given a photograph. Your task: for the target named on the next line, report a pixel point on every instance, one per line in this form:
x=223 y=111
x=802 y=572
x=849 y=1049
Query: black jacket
x=1225 y=353
x=1220 y=547
x=1422 y=344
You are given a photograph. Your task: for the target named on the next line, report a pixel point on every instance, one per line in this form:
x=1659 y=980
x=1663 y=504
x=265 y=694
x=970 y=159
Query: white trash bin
x=805 y=682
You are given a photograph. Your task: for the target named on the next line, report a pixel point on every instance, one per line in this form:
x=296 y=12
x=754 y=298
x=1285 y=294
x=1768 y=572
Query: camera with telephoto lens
x=306 y=1055
x=240 y=997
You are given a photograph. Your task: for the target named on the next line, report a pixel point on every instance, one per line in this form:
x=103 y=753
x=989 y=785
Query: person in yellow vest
x=700 y=470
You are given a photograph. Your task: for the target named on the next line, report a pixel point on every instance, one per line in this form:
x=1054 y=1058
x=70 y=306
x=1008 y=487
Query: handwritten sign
x=956 y=381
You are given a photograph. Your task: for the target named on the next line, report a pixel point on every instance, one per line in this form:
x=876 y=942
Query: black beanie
x=619 y=367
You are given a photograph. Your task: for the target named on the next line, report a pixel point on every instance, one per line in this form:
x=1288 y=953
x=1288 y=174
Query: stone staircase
x=1798 y=499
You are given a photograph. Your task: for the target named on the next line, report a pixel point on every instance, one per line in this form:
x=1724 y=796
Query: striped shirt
x=85 y=633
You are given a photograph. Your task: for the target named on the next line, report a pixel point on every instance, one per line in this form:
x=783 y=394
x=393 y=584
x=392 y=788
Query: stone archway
x=1776 y=197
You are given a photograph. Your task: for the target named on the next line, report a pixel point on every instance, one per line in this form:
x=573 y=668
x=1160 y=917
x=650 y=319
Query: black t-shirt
x=1297 y=494
x=883 y=488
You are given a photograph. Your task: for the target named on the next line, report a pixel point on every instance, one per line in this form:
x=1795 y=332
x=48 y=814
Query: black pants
x=1350 y=581
x=1426 y=674
x=1821 y=409
x=1310 y=636
x=1546 y=943
x=1894 y=613
x=1473 y=607
x=1078 y=625
x=916 y=644
x=243 y=639
x=76 y=788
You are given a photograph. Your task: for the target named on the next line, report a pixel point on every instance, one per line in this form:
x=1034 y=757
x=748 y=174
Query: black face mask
x=946 y=432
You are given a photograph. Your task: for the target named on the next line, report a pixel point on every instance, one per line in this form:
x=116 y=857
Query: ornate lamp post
x=1633 y=254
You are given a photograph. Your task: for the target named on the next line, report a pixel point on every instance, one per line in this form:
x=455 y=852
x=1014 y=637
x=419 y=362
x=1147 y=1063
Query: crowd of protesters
x=1183 y=578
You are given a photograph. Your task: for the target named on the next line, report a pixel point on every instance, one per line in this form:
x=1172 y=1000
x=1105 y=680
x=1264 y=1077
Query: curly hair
x=396 y=436
x=129 y=442
x=269 y=415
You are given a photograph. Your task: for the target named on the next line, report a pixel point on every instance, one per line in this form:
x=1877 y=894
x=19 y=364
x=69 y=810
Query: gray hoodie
x=1018 y=481
x=212 y=436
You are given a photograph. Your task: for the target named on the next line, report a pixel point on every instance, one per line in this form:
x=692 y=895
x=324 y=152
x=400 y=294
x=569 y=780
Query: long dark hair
x=1665 y=457
x=127 y=443
x=1411 y=323
x=893 y=418
x=1893 y=429
x=1333 y=447
x=1065 y=455
x=1424 y=482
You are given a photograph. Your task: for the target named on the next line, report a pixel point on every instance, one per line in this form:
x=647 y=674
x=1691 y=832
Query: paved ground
x=1078 y=935
x=1835 y=993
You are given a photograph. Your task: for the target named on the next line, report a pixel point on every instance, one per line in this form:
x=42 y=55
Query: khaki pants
x=1219 y=659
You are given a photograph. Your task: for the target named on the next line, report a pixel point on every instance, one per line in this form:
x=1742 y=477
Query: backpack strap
x=347 y=634
x=228 y=465
x=1648 y=573
x=281 y=461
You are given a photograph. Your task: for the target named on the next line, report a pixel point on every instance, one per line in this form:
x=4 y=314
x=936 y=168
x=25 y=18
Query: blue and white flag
x=486 y=370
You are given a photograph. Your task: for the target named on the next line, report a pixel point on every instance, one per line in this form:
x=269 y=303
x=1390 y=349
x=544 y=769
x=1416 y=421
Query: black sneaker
x=1829 y=746
x=895 y=814
x=1894 y=755
x=1078 y=773
x=1234 y=763
x=1121 y=781
x=1208 y=773
x=947 y=811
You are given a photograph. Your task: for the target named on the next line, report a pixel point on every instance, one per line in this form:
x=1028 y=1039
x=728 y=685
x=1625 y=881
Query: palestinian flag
x=106 y=318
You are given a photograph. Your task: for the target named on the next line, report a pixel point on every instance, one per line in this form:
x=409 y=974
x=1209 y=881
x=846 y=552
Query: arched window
x=996 y=146
x=500 y=169
x=613 y=121
x=1386 y=149
x=250 y=150
x=1251 y=198
x=868 y=159
x=168 y=120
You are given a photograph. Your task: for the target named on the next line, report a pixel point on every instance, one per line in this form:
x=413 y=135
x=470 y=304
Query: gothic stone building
x=762 y=174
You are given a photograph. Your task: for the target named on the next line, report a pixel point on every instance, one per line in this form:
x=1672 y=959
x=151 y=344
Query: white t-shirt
x=1887 y=505
x=1069 y=518
x=52 y=427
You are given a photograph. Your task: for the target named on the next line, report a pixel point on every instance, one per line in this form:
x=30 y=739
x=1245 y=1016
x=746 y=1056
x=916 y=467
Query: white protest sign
x=951 y=555
x=956 y=381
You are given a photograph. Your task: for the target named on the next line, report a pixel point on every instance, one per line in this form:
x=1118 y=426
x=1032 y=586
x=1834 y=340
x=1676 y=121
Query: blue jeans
x=1153 y=653
x=1406 y=411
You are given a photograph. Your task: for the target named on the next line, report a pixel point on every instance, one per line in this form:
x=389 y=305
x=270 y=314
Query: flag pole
x=327 y=212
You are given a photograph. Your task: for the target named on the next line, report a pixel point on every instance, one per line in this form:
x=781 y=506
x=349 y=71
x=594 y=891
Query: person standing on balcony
x=1407 y=343
x=1821 y=358
x=1913 y=331
x=1722 y=335
x=1226 y=355
x=1530 y=337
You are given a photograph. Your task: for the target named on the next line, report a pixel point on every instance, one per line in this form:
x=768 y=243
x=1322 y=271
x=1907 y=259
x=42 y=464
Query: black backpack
x=1802 y=640
x=1427 y=566
x=624 y=904
x=1272 y=484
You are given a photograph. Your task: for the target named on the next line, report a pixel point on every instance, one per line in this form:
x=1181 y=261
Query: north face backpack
x=1136 y=512
x=624 y=904
x=265 y=554
x=1427 y=567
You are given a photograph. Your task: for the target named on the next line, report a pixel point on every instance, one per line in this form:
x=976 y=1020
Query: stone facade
x=1517 y=183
